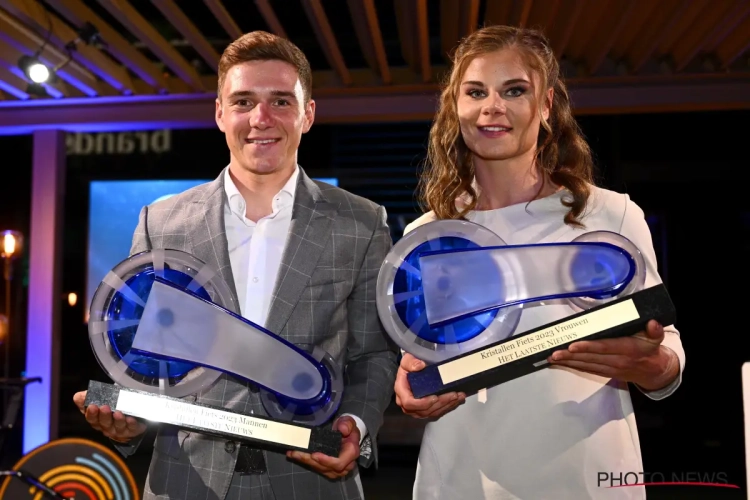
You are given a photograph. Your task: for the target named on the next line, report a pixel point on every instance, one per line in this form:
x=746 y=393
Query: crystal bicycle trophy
x=164 y=325
x=451 y=293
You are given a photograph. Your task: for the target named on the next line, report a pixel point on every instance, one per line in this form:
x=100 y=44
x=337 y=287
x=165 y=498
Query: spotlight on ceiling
x=35 y=70
x=89 y=34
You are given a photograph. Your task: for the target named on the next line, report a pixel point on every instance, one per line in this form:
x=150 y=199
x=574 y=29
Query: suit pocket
x=328 y=288
x=328 y=282
x=329 y=276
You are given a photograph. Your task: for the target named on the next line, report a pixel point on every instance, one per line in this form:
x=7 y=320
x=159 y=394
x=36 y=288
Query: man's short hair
x=264 y=46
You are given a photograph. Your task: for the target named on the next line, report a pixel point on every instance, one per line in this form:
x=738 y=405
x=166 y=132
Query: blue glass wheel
x=400 y=295
x=623 y=276
x=123 y=308
x=312 y=412
x=411 y=310
x=116 y=310
x=594 y=268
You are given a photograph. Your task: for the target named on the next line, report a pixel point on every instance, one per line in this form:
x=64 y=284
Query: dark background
x=688 y=171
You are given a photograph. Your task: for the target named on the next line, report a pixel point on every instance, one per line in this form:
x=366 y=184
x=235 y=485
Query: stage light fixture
x=35 y=70
x=89 y=35
x=40 y=74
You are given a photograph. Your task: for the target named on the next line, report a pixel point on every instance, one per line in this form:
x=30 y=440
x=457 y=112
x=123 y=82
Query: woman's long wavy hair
x=562 y=154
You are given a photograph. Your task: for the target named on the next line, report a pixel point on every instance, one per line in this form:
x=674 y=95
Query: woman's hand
x=640 y=359
x=428 y=407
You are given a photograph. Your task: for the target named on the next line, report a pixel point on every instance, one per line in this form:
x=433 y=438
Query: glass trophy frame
x=452 y=292
x=165 y=326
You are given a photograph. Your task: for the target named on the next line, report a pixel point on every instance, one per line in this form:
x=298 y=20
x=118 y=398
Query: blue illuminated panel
x=114 y=207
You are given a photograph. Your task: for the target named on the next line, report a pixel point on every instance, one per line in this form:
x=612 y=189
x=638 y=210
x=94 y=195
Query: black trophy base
x=260 y=432
x=526 y=353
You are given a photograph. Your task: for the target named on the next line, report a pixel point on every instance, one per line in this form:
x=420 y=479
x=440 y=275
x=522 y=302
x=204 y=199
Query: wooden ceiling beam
x=423 y=38
x=142 y=29
x=225 y=19
x=560 y=43
x=185 y=26
x=734 y=45
x=508 y=12
x=449 y=20
x=411 y=17
x=583 y=35
x=468 y=17
x=656 y=32
x=739 y=13
x=269 y=16
x=521 y=11
x=715 y=18
x=498 y=12
x=28 y=42
x=635 y=29
x=78 y=13
x=553 y=11
x=607 y=36
x=689 y=21
x=458 y=19
x=323 y=32
x=366 y=25
x=13 y=84
x=542 y=14
x=34 y=14
x=367 y=81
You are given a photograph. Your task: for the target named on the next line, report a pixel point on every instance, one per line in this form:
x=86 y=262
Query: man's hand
x=640 y=359
x=115 y=426
x=429 y=407
x=332 y=467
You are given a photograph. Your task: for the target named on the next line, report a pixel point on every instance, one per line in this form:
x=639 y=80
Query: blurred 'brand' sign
x=119 y=143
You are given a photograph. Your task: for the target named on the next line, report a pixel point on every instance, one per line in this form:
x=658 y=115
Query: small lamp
x=11 y=246
x=3 y=328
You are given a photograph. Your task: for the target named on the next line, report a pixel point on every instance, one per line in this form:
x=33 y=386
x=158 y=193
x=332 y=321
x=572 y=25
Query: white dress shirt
x=255 y=251
x=255 y=248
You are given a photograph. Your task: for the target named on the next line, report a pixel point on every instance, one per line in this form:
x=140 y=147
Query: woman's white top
x=557 y=433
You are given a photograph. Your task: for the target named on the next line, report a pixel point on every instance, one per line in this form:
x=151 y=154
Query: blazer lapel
x=312 y=216
x=209 y=240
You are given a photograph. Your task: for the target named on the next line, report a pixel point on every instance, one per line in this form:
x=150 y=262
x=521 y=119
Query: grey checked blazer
x=324 y=295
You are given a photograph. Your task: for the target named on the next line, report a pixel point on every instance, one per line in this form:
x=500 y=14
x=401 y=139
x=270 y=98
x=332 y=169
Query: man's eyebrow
x=283 y=93
x=250 y=93
x=241 y=93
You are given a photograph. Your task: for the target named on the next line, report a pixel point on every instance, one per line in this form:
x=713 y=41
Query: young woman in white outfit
x=505 y=152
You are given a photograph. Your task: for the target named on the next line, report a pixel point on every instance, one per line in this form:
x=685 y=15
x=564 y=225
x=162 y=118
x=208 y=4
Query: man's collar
x=291 y=184
x=289 y=188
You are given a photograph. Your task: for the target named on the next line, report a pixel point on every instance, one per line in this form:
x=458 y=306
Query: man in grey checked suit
x=324 y=291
